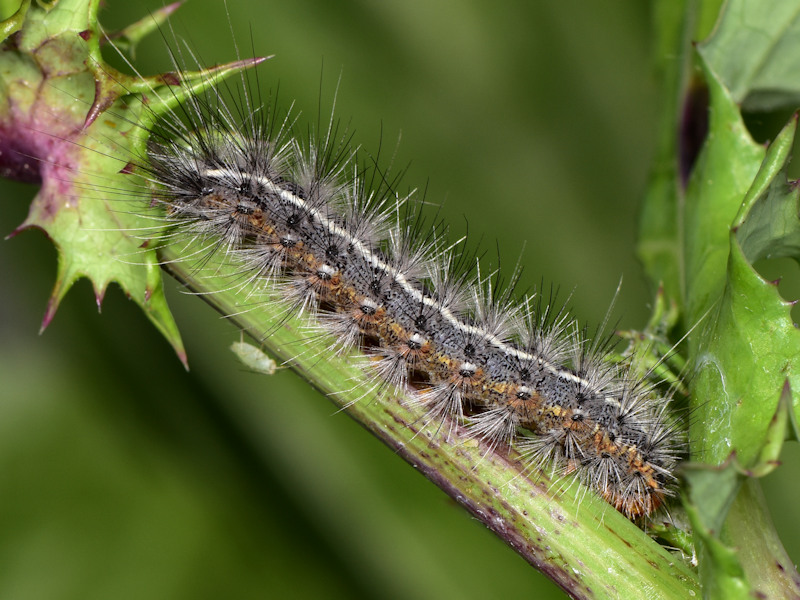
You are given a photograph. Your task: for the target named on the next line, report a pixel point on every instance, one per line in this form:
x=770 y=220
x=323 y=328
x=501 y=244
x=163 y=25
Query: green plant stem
x=562 y=529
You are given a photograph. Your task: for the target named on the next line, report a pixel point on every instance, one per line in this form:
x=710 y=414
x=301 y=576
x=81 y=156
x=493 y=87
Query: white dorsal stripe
x=370 y=258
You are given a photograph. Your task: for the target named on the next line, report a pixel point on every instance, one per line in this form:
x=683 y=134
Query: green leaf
x=14 y=23
x=748 y=344
x=129 y=37
x=731 y=524
x=47 y=91
x=75 y=124
x=738 y=207
x=711 y=492
x=767 y=225
x=740 y=554
x=754 y=52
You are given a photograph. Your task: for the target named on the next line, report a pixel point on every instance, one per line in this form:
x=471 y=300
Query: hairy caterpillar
x=513 y=235
x=304 y=218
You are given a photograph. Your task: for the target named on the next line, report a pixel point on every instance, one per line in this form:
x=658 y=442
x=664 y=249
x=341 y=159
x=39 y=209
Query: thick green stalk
x=565 y=531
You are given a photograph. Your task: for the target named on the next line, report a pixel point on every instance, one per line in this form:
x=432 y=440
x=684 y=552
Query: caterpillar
x=298 y=219
x=306 y=219
x=298 y=194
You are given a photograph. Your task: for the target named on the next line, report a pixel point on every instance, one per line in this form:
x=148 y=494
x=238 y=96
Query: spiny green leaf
x=78 y=124
x=739 y=207
x=80 y=206
x=128 y=38
x=749 y=345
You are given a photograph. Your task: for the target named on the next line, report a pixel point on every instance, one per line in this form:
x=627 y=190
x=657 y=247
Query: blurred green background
x=122 y=476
